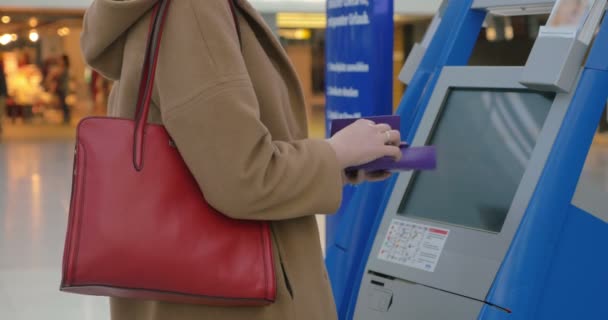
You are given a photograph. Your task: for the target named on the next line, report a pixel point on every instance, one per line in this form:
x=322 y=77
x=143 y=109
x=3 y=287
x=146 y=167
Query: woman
x=3 y=94
x=63 y=87
x=236 y=113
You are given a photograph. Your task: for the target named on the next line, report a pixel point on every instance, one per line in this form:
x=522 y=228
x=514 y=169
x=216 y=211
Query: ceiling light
x=33 y=22
x=62 y=32
x=295 y=34
x=34 y=36
x=509 y=32
x=301 y=20
x=302 y=34
x=5 y=39
x=6 y=19
x=14 y=37
x=491 y=34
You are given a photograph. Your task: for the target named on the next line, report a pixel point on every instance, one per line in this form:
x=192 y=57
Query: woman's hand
x=364 y=141
x=360 y=176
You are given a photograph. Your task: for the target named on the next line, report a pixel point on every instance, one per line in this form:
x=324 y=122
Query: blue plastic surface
x=598 y=57
x=576 y=285
x=534 y=264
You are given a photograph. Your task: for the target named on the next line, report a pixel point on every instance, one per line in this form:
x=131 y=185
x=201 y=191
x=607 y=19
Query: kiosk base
x=394 y=299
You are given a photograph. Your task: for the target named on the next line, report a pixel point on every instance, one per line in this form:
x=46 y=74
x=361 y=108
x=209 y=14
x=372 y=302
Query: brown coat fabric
x=237 y=116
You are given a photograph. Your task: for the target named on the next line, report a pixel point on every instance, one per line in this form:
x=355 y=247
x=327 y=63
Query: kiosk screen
x=484 y=140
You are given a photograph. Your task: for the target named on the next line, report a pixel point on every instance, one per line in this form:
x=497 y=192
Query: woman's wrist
x=339 y=153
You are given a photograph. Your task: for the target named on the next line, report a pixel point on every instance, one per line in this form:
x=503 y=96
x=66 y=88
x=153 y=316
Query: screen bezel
x=471 y=258
x=429 y=138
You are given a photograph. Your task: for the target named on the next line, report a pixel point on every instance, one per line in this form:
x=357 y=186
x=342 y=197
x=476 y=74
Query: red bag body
x=139 y=225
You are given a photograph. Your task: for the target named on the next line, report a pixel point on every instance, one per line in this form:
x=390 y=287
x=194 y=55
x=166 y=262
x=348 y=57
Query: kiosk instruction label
x=414 y=245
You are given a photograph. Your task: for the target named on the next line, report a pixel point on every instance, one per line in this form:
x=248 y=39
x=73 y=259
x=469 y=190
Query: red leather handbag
x=139 y=226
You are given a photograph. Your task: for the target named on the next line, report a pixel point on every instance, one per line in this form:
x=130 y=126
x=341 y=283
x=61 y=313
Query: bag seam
x=80 y=208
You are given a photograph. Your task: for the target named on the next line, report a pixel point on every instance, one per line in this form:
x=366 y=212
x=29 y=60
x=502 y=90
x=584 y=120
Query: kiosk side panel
x=522 y=279
x=576 y=286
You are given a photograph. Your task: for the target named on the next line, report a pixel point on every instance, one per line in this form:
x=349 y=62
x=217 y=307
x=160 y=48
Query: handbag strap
x=146 y=84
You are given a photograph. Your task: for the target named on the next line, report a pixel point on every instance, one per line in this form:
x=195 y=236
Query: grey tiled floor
x=34 y=194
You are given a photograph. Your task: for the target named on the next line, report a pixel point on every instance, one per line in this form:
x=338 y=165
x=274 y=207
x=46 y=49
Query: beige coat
x=238 y=119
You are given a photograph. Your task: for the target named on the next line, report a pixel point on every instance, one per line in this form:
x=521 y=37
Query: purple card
x=413 y=158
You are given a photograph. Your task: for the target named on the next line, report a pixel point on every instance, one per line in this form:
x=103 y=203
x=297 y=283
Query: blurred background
x=39 y=48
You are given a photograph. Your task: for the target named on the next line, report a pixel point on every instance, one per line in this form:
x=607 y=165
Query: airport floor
x=34 y=194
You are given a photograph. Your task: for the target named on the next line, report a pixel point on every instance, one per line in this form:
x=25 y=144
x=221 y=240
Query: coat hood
x=106 y=23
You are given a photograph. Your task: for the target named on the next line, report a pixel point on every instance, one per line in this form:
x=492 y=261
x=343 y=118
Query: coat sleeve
x=210 y=109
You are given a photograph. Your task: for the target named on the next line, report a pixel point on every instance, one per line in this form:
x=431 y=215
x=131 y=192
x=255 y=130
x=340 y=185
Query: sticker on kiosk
x=413 y=245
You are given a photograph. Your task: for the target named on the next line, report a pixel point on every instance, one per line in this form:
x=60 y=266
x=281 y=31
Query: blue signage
x=359 y=83
x=359 y=57
x=359 y=70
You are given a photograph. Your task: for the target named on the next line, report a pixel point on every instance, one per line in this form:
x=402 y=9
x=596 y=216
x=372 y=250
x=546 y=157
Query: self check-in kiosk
x=496 y=232
x=447 y=41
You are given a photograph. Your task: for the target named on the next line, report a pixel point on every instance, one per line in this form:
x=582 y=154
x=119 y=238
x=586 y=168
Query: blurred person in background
x=3 y=95
x=63 y=87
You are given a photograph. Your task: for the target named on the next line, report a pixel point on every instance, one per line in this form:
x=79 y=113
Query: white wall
x=413 y=7
x=64 y=4
x=417 y=7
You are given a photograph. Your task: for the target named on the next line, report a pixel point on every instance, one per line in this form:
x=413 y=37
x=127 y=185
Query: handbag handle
x=146 y=84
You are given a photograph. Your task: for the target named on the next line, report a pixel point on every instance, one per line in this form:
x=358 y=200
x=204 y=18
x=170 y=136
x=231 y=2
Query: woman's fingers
x=366 y=122
x=382 y=127
x=355 y=177
x=377 y=176
x=360 y=176
x=393 y=137
x=388 y=135
x=365 y=141
x=392 y=151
